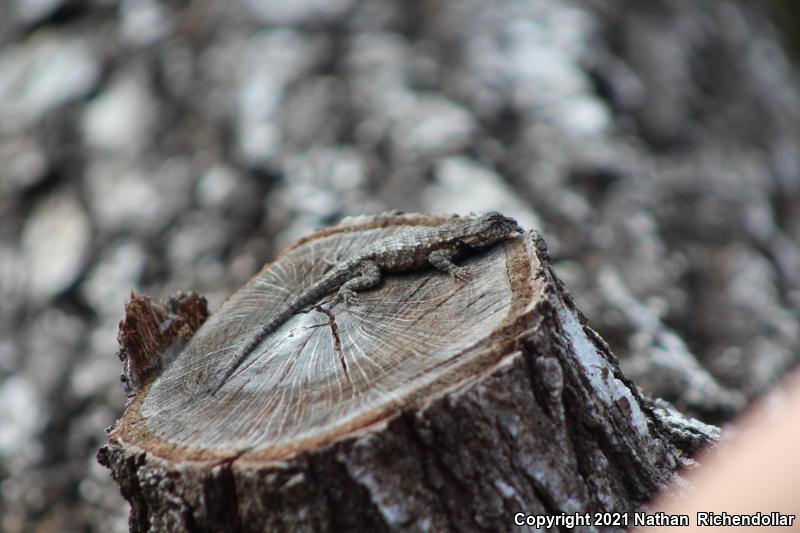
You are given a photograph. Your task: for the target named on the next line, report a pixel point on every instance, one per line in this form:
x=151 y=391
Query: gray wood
x=432 y=404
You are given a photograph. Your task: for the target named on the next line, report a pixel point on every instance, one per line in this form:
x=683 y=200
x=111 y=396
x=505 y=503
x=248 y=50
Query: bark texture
x=534 y=416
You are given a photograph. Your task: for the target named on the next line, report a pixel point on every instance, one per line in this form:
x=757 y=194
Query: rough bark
x=526 y=410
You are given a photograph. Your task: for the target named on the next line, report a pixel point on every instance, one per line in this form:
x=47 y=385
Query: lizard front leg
x=443 y=258
x=369 y=275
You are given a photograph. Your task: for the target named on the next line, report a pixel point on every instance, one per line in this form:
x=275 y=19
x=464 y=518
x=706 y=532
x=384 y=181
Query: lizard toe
x=349 y=297
x=462 y=274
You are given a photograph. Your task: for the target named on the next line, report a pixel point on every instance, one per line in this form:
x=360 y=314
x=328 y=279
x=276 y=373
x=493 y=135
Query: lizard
x=404 y=251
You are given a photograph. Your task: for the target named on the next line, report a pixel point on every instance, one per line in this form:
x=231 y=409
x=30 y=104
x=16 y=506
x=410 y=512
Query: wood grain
x=328 y=371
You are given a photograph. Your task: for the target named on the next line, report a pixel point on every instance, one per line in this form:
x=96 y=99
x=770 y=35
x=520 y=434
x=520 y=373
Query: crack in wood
x=337 y=343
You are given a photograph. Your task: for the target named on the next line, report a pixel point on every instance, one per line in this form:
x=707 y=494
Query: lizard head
x=490 y=228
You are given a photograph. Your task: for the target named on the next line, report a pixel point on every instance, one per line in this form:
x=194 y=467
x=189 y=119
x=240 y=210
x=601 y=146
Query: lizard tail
x=248 y=349
x=330 y=281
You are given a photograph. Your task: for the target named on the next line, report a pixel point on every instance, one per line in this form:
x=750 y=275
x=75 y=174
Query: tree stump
x=431 y=404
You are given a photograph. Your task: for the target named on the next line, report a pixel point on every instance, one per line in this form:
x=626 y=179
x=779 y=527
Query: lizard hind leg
x=369 y=275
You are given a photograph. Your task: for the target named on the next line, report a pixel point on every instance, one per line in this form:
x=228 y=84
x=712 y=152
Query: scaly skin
x=404 y=251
